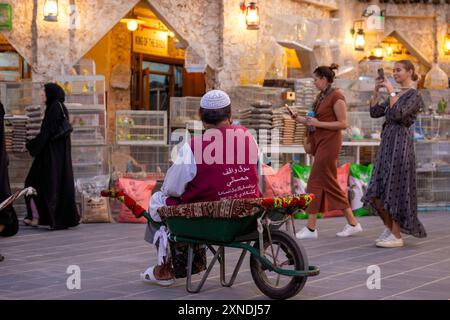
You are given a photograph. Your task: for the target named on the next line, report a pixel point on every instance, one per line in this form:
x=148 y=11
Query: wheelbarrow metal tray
x=211 y=229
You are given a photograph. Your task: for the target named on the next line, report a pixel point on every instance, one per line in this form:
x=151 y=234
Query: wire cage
x=89 y=125
x=88 y=90
x=141 y=127
x=15 y=96
x=183 y=109
x=89 y=161
x=140 y=159
x=362 y=127
x=347 y=154
x=431 y=127
x=433 y=172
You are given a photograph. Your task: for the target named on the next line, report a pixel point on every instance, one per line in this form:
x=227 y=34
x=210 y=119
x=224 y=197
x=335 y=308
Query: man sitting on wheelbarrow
x=219 y=164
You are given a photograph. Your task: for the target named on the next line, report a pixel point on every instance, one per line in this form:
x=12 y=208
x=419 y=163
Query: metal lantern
x=360 y=41
x=252 y=16
x=51 y=10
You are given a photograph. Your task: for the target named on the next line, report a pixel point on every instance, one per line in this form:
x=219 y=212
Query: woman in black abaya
x=8 y=218
x=51 y=173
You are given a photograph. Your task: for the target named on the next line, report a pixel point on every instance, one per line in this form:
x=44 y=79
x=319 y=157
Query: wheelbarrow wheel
x=288 y=254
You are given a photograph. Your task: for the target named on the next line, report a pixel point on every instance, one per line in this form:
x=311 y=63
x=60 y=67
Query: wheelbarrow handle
x=8 y=201
x=131 y=204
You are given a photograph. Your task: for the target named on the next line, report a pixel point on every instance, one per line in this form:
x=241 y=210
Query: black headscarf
x=53 y=93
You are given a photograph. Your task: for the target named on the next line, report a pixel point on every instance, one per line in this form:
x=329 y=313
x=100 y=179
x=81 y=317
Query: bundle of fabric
x=35 y=116
x=235 y=208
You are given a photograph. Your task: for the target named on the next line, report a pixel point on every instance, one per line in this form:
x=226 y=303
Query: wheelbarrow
x=12 y=228
x=278 y=263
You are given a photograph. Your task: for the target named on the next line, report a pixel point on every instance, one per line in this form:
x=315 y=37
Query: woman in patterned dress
x=392 y=188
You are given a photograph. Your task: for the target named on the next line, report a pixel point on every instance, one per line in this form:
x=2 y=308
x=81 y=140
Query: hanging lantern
x=360 y=41
x=252 y=16
x=51 y=10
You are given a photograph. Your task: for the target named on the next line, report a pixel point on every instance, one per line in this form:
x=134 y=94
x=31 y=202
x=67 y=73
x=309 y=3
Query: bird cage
x=141 y=127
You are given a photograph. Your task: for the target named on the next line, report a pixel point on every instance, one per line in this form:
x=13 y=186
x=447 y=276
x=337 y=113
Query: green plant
x=442 y=105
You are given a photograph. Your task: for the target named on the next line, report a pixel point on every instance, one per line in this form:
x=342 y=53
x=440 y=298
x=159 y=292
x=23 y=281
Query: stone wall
x=49 y=45
x=119 y=99
x=414 y=21
x=238 y=41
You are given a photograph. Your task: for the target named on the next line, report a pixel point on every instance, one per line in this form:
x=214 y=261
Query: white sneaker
x=349 y=230
x=306 y=234
x=386 y=233
x=390 y=242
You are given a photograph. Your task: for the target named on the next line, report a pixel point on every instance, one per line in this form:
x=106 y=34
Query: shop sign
x=5 y=16
x=152 y=41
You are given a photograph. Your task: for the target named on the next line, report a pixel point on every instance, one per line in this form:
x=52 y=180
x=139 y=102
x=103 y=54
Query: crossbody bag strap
x=62 y=110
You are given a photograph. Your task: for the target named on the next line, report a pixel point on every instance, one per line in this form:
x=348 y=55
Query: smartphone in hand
x=380 y=73
x=293 y=114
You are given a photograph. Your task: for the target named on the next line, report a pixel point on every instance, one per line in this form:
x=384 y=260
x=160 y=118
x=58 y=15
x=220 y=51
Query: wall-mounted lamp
x=51 y=10
x=252 y=19
x=132 y=22
x=360 y=40
x=378 y=52
x=447 y=42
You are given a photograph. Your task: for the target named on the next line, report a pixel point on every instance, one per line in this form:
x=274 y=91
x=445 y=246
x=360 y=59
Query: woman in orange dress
x=324 y=134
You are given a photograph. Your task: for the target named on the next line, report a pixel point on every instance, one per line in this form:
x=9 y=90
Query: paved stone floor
x=111 y=256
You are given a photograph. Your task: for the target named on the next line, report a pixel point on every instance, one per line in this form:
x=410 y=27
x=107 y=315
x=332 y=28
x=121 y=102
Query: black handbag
x=64 y=129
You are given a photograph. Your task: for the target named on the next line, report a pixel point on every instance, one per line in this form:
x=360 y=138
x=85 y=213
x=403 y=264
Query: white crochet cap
x=215 y=99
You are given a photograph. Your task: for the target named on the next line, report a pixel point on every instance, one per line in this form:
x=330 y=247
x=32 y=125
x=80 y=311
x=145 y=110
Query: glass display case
x=141 y=127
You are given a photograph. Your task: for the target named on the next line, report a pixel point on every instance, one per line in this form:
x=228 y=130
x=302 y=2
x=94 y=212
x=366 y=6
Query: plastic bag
x=358 y=182
x=141 y=192
x=277 y=184
x=95 y=208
